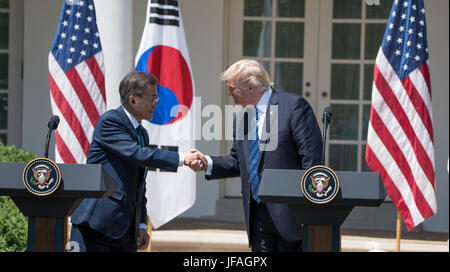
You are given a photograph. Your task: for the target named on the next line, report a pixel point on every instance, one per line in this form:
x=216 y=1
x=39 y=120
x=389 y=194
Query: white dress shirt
x=262 y=108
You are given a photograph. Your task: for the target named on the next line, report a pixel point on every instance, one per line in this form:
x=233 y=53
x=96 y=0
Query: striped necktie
x=253 y=159
x=140 y=135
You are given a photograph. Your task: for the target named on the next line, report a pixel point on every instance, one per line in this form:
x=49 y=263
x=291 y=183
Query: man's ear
x=131 y=100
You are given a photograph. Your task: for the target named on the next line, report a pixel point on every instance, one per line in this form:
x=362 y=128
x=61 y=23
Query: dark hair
x=135 y=83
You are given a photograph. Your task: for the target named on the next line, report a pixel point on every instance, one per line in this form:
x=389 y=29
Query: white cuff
x=210 y=165
x=181 y=156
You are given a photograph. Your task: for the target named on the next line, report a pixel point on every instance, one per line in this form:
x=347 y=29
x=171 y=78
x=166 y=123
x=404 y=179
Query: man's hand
x=195 y=160
x=143 y=239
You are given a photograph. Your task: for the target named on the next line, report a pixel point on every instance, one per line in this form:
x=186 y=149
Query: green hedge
x=13 y=225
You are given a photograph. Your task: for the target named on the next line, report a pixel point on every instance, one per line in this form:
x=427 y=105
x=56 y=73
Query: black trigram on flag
x=164 y=12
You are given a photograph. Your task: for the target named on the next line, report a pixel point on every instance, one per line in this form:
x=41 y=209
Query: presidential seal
x=41 y=177
x=319 y=184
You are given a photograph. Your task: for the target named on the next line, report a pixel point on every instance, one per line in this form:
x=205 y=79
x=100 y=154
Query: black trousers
x=265 y=236
x=90 y=240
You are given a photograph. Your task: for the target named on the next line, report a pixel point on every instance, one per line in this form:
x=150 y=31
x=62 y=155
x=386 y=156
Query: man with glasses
x=120 y=144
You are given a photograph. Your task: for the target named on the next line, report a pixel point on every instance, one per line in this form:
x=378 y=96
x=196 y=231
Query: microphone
x=54 y=122
x=52 y=125
x=326 y=119
x=327 y=114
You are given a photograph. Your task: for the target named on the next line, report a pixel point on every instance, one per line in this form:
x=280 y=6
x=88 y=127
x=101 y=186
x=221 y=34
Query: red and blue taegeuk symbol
x=175 y=83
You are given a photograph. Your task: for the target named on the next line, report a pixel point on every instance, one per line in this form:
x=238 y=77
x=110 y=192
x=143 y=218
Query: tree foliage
x=13 y=225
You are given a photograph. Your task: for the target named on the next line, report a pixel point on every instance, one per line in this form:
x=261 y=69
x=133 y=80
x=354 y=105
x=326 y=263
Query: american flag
x=77 y=83
x=400 y=137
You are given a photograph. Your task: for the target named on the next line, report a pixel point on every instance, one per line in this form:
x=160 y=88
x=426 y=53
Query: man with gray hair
x=282 y=120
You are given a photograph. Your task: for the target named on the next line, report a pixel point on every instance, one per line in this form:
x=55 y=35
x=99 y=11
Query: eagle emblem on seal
x=41 y=177
x=319 y=184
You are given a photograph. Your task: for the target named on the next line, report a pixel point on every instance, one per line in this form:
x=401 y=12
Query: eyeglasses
x=155 y=101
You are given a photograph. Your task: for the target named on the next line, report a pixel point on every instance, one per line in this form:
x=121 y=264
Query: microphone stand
x=47 y=142
x=52 y=125
x=326 y=118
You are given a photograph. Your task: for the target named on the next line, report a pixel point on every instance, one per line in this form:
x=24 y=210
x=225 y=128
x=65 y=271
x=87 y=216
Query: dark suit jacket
x=299 y=147
x=115 y=145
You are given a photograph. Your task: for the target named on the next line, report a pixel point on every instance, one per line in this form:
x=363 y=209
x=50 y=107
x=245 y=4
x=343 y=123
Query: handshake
x=195 y=160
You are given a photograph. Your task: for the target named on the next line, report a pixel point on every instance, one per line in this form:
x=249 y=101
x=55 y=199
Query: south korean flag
x=163 y=53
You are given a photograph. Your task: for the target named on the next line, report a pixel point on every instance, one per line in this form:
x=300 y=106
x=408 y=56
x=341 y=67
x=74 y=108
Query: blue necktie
x=140 y=135
x=253 y=159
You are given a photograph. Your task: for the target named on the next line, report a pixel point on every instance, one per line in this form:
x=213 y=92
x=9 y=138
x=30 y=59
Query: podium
x=46 y=213
x=322 y=221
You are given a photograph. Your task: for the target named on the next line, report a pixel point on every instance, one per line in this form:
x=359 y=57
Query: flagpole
x=399 y=231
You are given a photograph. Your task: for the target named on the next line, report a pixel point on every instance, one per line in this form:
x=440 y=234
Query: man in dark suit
x=120 y=144
x=285 y=136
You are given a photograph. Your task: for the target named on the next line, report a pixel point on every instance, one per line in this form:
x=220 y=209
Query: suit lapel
x=127 y=122
x=146 y=136
x=240 y=131
x=271 y=116
x=133 y=132
x=146 y=143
